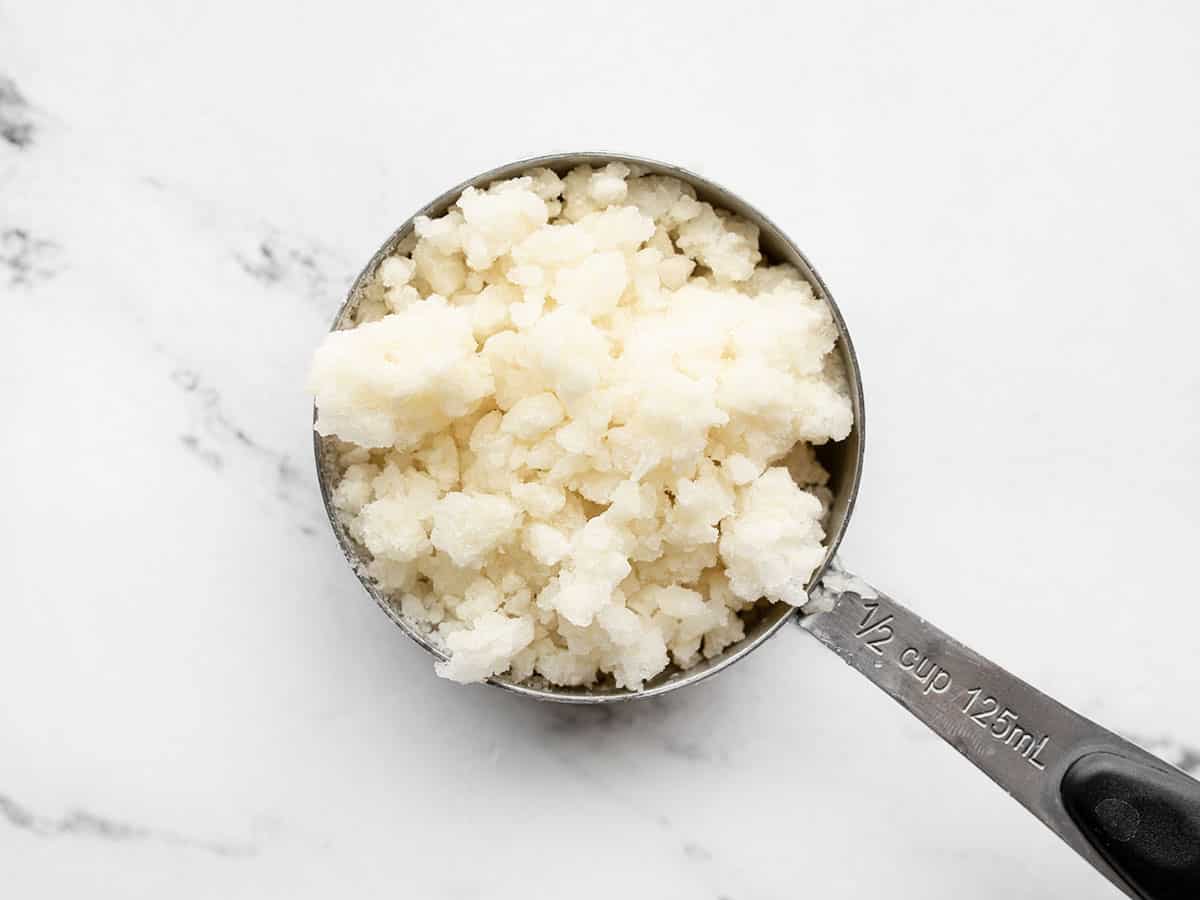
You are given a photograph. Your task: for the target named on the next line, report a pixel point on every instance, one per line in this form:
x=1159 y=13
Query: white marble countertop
x=198 y=700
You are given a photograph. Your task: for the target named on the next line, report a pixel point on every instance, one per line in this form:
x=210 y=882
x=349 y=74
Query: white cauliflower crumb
x=467 y=527
x=486 y=648
x=773 y=542
x=577 y=415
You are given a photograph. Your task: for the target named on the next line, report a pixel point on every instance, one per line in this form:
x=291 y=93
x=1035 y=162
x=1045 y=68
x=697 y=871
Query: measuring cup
x=1131 y=815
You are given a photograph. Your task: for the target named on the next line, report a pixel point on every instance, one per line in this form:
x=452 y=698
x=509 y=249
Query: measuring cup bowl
x=843 y=459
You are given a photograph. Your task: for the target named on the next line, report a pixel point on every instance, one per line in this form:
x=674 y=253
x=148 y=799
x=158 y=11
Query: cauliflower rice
x=575 y=419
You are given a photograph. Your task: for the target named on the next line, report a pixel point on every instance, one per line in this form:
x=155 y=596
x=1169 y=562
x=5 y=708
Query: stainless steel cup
x=843 y=459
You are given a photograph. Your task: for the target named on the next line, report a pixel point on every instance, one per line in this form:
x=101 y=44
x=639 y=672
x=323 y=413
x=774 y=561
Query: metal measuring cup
x=1134 y=817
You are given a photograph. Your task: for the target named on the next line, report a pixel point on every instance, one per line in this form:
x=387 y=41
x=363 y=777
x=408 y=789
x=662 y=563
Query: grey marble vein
x=569 y=726
x=220 y=427
x=16 y=119
x=84 y=824
x=297 y=265
x=206 y=455
x=26 y=258
x=218 y=435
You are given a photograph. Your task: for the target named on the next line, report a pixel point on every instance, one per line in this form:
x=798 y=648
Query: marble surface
x=196 y=697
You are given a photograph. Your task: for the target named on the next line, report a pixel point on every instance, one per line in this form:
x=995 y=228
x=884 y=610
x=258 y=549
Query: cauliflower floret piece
x=767 y=278
x=530 y=309
x=700 y=503
x=467 y=527
x=540 y=501
x=647 y=293
x=674 y=271
x=673 y=417
x=749 y=387
x=393 y=575
x=727 y=246
x=490 y=309
x=486 y=648
x=546 y=543
x=666 y=200
x=686 y=617
x=596 y=564
x=823 y=410
x=607 y=186
x=445 y=273
x=397 y=299
x=392 y=382
x=578 y=200
x=395 y=273
x=423 y=609
x=593 y=286
x=790 y=331
x=354 y=490
x=532 y=416
x=514 y=374
x=496 y=219
x=566 y=667
x=554 y=245
x=545 y=183
x=492 y=451
x=570 y=351
x=390 y=530
x=480 y=598
x=641 y=652
x=439 y=456
x=772 y=544
x=442 y=233
x=741 y=469
x=618 y=228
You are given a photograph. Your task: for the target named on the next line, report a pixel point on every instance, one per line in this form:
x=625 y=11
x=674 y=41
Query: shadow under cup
x=843 y=459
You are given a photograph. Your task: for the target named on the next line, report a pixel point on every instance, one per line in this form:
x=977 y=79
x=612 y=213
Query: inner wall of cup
x=843 y=459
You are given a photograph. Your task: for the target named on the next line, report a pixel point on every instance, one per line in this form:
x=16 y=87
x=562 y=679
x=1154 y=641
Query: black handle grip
x=1143 y=820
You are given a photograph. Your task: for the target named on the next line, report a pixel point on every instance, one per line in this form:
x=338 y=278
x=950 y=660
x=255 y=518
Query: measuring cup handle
x=1133 y=816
